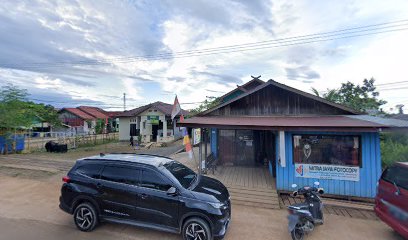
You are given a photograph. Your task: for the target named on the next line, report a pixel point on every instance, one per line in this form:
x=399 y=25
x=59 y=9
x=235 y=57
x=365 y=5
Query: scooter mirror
x=320 y=191
x=294 y=194
x=294 y=185
x=316 y=183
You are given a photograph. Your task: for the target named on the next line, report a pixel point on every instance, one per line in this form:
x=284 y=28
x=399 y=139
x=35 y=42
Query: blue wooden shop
x=295 y=137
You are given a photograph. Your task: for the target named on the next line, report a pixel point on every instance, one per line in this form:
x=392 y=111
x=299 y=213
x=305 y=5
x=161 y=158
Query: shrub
x=394 y=148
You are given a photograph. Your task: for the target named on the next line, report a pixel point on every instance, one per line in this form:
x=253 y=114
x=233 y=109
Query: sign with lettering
x=154 y=120
x=335 y=172
x=196 y=136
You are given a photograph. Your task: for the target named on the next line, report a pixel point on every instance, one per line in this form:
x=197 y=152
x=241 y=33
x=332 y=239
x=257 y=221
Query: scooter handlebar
x=308 y=189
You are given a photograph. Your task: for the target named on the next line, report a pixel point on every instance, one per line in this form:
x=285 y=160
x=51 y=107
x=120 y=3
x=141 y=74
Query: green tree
x=47 y=113
x=363 y=98
x=208 y=103
x=330 y=95
x=17 y=112
x=100 y=126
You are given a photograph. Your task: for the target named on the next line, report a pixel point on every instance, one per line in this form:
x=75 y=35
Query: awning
x=335 y=123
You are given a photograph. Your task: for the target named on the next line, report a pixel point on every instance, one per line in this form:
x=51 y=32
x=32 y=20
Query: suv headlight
x=221 y=206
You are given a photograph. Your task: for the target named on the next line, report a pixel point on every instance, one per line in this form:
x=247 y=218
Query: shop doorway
x=255 y=148
x=265 y=148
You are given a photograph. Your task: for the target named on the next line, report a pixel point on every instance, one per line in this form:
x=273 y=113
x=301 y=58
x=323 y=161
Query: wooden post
x=200 y=153
x=205 y=142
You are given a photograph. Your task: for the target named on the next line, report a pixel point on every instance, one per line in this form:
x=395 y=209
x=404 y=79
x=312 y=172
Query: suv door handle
x=143 y=196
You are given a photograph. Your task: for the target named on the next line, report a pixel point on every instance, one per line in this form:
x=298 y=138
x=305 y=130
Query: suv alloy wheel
x=196 y=229
x=85 y=217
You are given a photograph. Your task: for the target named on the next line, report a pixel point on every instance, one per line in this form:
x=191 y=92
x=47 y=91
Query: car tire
x=85 y=217
x=194 y=227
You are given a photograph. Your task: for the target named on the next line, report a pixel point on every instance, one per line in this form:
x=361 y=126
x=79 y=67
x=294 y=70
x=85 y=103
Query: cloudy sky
x=79 y=52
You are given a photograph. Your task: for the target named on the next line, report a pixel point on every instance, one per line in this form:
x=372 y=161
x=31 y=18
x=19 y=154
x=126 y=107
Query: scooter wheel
x=297 y=233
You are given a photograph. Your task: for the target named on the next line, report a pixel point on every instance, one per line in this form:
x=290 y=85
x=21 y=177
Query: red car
x=391 y=202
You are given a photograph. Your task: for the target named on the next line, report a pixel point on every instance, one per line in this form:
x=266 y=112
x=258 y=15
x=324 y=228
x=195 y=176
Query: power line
x=239 y=48
x=380 y=86
x=101 y=104
x=396 y=88
x=391 y=83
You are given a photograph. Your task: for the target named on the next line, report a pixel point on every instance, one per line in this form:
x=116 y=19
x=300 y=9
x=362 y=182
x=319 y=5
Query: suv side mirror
x=172 y=191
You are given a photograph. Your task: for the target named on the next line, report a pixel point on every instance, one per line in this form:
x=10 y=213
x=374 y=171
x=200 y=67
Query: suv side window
x=151 y=179
x=397 y=175
x=127 y=175
x=90 y=170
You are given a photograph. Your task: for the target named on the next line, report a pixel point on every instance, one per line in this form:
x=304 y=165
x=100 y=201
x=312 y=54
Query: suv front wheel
x=196 y=228
x=85 y=217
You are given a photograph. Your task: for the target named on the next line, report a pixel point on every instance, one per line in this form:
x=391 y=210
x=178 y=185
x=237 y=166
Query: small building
x=79 y=121
x=298 y=137
x=152 y=122
x=86 y=119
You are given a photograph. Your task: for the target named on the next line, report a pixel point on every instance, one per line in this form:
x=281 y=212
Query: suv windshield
x=182 y=173
x=397 y=175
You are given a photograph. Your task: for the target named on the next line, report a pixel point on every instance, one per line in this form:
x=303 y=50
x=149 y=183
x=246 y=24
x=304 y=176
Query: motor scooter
x=304 y=216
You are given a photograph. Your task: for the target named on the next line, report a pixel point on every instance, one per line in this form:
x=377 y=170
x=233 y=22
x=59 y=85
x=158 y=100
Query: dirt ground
x=29 y=198
x=34 y=205
x=114 y=147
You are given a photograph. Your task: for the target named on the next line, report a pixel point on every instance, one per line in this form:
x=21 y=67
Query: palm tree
x=330 y=95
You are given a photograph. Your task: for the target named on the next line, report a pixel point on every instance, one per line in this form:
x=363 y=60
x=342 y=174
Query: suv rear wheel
x=85 y=217
x=196 y=228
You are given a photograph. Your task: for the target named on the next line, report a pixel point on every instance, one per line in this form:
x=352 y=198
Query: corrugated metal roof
x=400 y=116
x=94 y=111
x=283 y=121
x=165 y=108
x=113 y=114
x=78 y=113
x=134 y=112
x=389 y=122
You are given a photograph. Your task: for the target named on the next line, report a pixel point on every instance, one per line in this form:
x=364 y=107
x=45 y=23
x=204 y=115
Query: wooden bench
x=211 y=163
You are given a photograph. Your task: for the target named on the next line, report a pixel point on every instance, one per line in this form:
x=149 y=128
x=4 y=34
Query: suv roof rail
x=143 y=154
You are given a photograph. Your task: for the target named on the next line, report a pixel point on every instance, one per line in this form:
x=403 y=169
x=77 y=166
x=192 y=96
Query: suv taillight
x=66 y=179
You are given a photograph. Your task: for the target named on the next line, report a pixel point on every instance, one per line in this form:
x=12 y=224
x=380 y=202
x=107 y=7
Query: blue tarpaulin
x=19 y=139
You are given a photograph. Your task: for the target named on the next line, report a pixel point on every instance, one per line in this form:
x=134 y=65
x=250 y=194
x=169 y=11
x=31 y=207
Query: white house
x=152 y=122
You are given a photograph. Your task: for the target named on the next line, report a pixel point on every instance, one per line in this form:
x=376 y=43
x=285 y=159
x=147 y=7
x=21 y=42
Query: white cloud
x=113 y=32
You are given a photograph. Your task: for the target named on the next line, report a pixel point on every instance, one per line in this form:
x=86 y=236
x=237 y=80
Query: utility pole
x=124 y=101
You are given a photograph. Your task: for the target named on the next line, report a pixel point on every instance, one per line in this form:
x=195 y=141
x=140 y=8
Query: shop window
x=327 y=149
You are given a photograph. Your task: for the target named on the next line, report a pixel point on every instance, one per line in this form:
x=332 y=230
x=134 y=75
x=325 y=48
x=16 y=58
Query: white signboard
x=196 y=136
x=282 y=151
x=335 y=172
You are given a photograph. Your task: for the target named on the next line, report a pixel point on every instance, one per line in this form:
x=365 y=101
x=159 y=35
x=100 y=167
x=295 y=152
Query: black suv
x=148 y=191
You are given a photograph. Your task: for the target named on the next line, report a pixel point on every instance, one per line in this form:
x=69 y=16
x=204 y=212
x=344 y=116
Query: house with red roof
x=152 y=122
x=84 y=119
